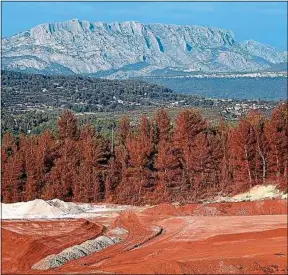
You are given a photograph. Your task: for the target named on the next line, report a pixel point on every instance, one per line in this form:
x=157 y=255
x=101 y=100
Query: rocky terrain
x=130 y=49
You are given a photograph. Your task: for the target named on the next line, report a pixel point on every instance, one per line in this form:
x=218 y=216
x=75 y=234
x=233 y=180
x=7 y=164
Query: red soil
x=237 y=238
x=267 y=207
x=27 y=242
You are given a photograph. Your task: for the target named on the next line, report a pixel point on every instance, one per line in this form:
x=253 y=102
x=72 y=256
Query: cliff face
x=132 y=49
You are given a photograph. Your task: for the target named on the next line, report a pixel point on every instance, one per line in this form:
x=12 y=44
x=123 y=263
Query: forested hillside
x=36 y=122
x=31 y=103
x=25 y=92
x=151 y=162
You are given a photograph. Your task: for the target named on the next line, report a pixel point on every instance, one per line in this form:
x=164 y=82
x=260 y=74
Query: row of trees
x=155 y=161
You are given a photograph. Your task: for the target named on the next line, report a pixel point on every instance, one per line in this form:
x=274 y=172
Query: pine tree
x=13 y=178
x=8 y=146
x=64 y=175
x=226 y=168
x=67 y=125
x=259 y=123
x=137 y=175
x=242 y=143
x=163 y=126
x=188 y=125
x=150 y=163
x=277 y=135
x=167 y=165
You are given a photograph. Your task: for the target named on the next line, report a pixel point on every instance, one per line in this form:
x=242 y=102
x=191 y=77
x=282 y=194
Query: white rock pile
x=256 y=193
x=75 y=252
x=57 y=209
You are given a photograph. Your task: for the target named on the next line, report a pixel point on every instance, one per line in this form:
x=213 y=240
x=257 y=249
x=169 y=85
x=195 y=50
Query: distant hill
x=22 y=92
x=132 y=49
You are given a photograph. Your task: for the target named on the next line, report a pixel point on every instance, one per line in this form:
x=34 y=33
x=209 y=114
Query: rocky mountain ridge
x=132 y=49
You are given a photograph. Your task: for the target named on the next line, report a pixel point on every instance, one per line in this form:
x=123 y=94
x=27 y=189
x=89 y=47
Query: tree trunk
x=248 y=166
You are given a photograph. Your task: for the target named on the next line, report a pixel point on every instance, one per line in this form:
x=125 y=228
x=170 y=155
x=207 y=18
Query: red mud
x=267 y=207
x=26 y=242
x=236 y=238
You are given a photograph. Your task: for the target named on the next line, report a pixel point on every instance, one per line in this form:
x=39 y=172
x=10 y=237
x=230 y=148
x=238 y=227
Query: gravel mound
x=260 y=192
x=56 y=209
x=256 y=193
x=30 y=209
x=75 y=252
x=70 y=207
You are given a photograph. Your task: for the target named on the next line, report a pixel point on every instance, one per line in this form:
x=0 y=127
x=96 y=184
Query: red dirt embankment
x=266 y=207
x=27 y=242
x=236 y=238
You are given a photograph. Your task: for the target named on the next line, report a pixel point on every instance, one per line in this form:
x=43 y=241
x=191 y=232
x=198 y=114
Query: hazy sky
x=262 y=21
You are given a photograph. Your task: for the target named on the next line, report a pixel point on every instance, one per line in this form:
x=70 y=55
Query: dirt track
x=222 y=238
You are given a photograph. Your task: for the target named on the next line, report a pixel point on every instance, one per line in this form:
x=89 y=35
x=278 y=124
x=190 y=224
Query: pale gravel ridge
x=256 y=193
x=75 y=252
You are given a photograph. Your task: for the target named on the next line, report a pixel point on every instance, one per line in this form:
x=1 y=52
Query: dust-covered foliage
x=151 y=162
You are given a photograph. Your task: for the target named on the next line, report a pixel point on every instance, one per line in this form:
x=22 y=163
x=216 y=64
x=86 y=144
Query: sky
x=265 y=22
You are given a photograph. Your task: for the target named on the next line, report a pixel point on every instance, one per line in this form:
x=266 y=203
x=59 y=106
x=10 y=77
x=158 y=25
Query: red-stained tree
x=154 y=161
x=118 y=163
x=243 y=146
x=226 y=166
x=137 y=177
x=277 y=135
x=64 y=174
x=12 y=179
x=12 y=170
x=94 y=162
x=33 y=175
x=167 y=165
x=259 y=123
x=188 y=125
x=67 y=125
x=8 y=147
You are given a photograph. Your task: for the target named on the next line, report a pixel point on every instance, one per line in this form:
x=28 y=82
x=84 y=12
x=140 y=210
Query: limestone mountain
x=131 y=49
